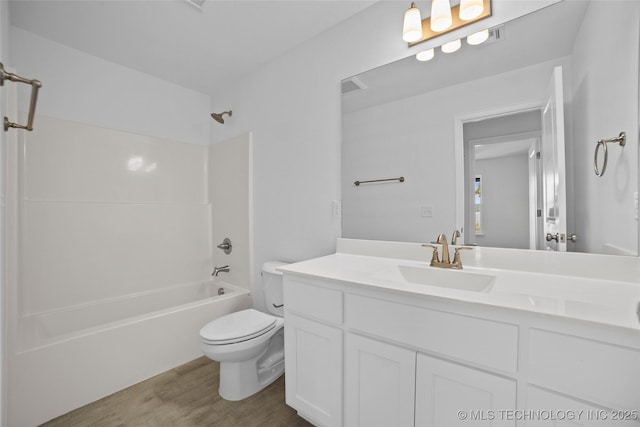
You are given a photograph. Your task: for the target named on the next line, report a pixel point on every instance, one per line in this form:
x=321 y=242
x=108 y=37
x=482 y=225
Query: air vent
x=352 y=84
x=496 y=34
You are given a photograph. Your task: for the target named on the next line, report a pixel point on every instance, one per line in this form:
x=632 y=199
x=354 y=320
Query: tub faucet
x=216 y=270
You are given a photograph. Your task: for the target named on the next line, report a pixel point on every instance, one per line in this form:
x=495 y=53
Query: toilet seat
x=237 y=327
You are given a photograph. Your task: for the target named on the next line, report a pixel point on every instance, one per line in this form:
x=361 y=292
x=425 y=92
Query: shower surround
x=112 y=233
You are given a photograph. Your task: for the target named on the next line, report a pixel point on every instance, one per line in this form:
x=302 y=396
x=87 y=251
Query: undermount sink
x=432 y=276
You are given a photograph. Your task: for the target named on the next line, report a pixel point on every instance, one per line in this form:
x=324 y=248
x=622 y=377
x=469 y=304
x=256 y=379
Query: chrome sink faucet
x=216 y=270
x=446 y=260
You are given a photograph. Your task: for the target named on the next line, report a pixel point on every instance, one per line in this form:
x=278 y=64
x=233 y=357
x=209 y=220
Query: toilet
x=249 y=344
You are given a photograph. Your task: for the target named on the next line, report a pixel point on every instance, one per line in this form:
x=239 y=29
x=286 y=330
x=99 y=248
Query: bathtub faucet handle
x=225 y=246
x=216 y=270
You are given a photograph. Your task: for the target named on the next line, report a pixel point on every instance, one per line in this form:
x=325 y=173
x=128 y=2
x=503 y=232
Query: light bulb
x=478 y=38
x=425 y=55
x=451 y=46
x=440 y=15
x=470 y=9
x=412 y=27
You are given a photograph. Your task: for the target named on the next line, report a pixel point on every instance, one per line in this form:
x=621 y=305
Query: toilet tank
x=272 y=287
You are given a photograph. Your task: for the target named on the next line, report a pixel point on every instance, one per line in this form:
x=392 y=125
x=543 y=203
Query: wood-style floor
x=186 y=396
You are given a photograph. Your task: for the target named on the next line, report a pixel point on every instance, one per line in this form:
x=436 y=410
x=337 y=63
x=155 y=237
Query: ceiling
x=204 y=49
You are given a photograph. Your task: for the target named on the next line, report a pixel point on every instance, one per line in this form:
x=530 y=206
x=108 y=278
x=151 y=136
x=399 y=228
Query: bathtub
x=67 y=358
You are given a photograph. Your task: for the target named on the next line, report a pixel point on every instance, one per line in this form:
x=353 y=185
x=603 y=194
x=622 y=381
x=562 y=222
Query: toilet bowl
x=249 y=344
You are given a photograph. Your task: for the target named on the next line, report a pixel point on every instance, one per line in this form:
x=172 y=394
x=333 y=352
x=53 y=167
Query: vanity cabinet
x=574 y=412
x=380 y=381
x=387 y=385
x=450 y=394
x=362 y=356
x=313 y=352
x=313 y=381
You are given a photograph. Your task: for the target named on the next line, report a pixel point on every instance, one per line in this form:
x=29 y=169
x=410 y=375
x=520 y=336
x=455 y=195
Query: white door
x=448 y=395
x=554 y=207
x=379 y=383
x=313 y=379
x=535 y=197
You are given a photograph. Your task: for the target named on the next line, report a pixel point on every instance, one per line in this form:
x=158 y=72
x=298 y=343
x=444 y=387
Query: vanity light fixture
x=452 y=46
x=478 y=38
x=440 y=15
x=425 y=55
x=412 y=27
x=470 y=9
x=443 y=19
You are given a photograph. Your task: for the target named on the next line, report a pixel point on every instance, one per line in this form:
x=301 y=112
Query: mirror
x=411 y=119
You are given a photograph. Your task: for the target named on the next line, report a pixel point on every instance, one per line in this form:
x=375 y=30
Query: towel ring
x=620 y=139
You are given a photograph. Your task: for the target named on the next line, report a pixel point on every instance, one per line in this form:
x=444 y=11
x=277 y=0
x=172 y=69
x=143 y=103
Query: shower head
x=218 y=116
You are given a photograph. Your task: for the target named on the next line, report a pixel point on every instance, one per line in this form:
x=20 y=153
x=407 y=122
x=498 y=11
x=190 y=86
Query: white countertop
x=559 y=293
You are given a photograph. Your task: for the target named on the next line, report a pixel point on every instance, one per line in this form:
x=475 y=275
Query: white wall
x=107 y=213
x=86 y=89
x=414 y=137
x=604 y=206
x=116 y=155
x=230 y=194
x=113 y=194
x=292 y=106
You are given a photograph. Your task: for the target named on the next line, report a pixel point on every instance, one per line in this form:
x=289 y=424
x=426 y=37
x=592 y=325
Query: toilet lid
x=235 y=327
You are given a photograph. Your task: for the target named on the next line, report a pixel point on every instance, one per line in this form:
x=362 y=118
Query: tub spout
x=216 y=270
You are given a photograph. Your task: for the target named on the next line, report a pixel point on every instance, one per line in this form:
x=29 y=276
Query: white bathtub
x=68 y=358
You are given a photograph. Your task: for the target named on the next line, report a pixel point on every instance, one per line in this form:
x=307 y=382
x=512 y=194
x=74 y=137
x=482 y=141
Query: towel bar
x=35 y=86
x=357 y=183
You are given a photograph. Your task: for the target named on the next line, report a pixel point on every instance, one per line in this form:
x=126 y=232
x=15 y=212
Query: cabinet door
x=448 y=394
x=379 y=383
x=547 y=409
x=313 y=379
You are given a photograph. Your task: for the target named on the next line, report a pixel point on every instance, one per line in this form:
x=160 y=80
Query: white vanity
x=374 y=336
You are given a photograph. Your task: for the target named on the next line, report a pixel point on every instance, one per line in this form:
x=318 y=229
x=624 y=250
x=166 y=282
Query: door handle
x=561 y=237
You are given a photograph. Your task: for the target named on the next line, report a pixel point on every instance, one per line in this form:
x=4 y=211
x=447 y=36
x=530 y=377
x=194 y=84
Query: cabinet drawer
x=544 y=404
x=484 y=342
x=600 y=372
x=313 y=301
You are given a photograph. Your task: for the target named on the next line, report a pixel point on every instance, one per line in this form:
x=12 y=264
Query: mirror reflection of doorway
x=503 y=172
